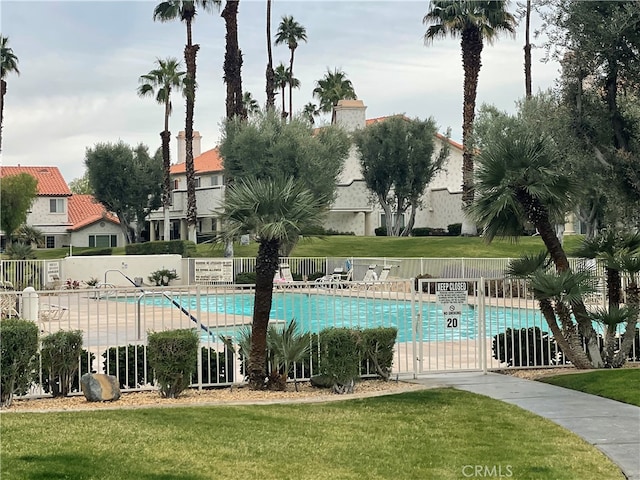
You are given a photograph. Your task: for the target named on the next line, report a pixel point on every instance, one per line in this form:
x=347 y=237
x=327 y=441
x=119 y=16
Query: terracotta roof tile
x=209 y=161
x=85 y=210
x=50 y=180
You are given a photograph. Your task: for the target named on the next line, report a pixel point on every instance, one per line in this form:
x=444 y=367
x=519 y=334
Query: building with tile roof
x=352 y=210
x=63 y=218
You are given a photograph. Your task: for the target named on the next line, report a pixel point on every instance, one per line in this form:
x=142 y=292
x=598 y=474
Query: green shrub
x=339 y=358
x=421 y=232
x=86 y=366
x=380 y=231
x=18 y=354
x=376 y=347
x=185 y=248
x=454 y=229
x=246 y=278
x=129 y=363
x=218 y=364
x=60 y=359
x=173 y=355
x=526 y=347
x=287 y=347
x=162 y=277
x=94 y=251
x=426 y=287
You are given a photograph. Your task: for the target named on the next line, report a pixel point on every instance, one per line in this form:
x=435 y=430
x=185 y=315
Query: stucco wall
x=81 y=237
x=84 y=268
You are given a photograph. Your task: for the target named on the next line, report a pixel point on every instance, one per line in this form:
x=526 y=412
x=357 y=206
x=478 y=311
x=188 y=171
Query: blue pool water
x=315 y=312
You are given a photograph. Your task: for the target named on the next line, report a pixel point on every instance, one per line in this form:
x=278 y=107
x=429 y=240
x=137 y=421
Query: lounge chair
x=8 y=302
x=50 y=312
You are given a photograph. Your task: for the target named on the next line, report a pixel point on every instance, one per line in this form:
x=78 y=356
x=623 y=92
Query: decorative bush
x=185 y=248
x=86 y=366
x=129 y=363
x=376 y=346
x=60 y=359
x=217 y=364
x=380 y=231
x=455 y=229
x=426 y=287
x=339 y=359
x=162 y=277
x=526 y=347
x=18 y=354
x=173 y=355
x=246 y=278
x=286 y=347
x=421 y=232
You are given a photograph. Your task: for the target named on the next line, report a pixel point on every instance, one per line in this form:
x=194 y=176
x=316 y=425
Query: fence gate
x=450 y=327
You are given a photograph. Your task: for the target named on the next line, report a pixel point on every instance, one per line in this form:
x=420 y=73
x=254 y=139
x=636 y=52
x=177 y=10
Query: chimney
x=182 y=148
x=350 y=114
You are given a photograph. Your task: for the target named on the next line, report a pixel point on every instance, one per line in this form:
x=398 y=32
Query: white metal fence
x=477 y=328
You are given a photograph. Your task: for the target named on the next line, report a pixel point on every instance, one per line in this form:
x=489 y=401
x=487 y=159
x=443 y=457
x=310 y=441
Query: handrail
x=121 y=273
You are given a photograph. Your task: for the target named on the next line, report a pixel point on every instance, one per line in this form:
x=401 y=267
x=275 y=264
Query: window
x=102 y=241
x=214 y=180
x=176 y=184
x=56 y=205
x=197 y=182
x=50 y=241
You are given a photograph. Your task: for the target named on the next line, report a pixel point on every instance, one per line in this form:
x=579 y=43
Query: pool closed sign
x=451 y=296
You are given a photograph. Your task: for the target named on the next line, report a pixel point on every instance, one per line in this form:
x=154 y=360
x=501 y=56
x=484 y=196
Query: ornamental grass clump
x=173 y=356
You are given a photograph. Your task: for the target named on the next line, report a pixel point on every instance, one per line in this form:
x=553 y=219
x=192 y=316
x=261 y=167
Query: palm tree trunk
x=266 y=266
x=527 y=52
x=629 y=335
x=291 y=86
x=271 y=97
x=232 y=59
x=471 y=62
x=166 y=176
x=190 y=53
x=575 y=357
x=284 y=111
x=3 y=90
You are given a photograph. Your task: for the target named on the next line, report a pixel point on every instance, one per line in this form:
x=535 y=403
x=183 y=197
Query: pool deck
x=612 y=427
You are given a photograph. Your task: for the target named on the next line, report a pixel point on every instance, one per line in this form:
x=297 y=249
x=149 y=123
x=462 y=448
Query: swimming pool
x=315 y=312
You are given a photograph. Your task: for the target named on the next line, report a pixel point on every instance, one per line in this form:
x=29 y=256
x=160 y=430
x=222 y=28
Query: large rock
x=98 y=387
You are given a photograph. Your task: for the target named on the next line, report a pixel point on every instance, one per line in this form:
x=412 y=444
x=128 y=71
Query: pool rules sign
x=451 y=296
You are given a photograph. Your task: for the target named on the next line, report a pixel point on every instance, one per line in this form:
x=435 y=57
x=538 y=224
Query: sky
x=80 y=62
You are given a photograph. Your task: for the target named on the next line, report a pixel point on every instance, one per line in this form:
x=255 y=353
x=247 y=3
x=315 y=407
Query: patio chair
x=50 y=312
x=8 y=302
x=384 y=275
x=283 y=277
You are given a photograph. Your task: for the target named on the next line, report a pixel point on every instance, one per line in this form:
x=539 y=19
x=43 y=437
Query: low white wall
x=84 y=268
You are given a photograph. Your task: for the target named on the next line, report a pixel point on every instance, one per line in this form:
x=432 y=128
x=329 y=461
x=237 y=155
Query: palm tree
x=233 y=62
x=185 y=11
x=527 y=50
x=310 y=111
x=159 y=82
x=271 y=86
x=281 y=78
x=332 y=88
x=8 y=64
x=520 y=180
x=474 y=21
x=250 y=104
x=290 y=32
x=275 y=211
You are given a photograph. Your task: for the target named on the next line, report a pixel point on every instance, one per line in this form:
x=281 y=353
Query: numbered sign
x=451 y=296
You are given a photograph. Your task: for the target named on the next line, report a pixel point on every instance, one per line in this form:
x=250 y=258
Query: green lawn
x=348 y=246
x=434 y=434
x=620 y=384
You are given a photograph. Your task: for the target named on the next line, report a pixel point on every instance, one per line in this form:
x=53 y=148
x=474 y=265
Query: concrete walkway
x=612 y=427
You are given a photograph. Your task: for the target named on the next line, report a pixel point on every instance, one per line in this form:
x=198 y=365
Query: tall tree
x=8 y=64
x=275 y=211
x=160 y=83
x=81 y=185
x=475 y=22
x=17 y=193
x=270 y=85
x=250 y=104
x=290 y=33
x=310 y=112
x=398 y=162
x=185 y=11
x=233 y=61
x=127 y=181
x=332 y=88
x=280 y=79
x=527 y=49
